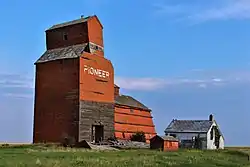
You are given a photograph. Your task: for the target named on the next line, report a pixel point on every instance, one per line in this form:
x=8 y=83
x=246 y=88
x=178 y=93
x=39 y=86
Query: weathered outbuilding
x=200 y=134
x=164 y=143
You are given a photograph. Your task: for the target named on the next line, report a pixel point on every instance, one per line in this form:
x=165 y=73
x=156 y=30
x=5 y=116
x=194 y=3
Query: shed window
x=212 y=133
x=65 y=37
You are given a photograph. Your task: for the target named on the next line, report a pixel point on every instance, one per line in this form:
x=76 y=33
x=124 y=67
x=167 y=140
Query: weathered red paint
x=55 y=112
x=95 y=88
x=164 y=144
x=128 y=123
x=170 y=145
x=61 y=84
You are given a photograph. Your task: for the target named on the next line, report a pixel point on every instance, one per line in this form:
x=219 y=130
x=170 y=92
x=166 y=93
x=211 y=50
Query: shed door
x=98 y=133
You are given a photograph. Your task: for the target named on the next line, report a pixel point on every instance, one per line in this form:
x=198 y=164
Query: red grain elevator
x=75 y=94
x=74 y=85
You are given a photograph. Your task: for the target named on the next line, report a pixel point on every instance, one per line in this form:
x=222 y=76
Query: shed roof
x=166 y=138
x=169 y=138
x=200 y=126
x=72 y=51
x=129 y=101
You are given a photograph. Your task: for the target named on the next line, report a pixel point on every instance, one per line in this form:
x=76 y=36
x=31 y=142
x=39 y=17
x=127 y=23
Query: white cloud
x=15 y=81
x=15 y=85
x=203 y=85
x=233 y=9
x=18 y=95
x=149 y=84
x=140 y=83
x=203 y=80
x=217 y=80
x=199 y=12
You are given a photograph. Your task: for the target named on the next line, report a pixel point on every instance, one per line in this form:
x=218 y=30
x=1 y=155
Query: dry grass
x=17 y=144
x=242 y=148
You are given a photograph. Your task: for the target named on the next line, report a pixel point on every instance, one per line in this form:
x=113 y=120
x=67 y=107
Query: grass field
x=29 y=156
x=243 y=149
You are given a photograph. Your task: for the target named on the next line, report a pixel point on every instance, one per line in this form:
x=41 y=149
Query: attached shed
x=165 y=143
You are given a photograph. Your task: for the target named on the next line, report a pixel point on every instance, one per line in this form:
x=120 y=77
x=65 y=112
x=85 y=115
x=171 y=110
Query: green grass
x=29 y=156
x=243 y=149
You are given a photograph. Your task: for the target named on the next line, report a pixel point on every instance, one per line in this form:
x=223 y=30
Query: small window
x=123 y=134
x=65 y=37
x=131 y=110
x=96 y=47
x=212 y=133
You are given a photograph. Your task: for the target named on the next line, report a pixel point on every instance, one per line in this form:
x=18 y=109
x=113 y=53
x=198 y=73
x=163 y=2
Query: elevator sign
x=96 y=72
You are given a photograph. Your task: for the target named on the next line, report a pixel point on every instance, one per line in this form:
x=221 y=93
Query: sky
x=183 y=59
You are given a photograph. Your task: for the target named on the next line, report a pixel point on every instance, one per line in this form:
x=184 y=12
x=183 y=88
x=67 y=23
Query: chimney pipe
x=211 y=117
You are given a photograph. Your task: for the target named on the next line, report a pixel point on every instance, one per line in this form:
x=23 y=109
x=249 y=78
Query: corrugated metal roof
x=130 y=101
x=201 y=126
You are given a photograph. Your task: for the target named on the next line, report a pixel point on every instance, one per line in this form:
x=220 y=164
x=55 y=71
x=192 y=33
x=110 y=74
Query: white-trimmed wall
x=210 y=143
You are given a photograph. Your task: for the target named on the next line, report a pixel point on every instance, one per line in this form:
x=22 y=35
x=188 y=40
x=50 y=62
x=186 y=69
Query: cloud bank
x=20 y=86
x=197 y=79
x=206 y=11
x=16 y=85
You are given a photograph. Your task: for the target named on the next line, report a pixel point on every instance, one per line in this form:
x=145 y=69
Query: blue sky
x=183 y=59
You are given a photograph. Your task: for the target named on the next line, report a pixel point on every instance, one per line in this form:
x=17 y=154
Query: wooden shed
x=164 y=143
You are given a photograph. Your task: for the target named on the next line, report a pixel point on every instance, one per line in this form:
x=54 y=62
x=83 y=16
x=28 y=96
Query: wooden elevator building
x=75 y=94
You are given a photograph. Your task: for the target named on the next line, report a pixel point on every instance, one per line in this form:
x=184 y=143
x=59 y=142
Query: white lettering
x=103 y=74
x=99 y=73
x=96 y=72
x=91 y=70
x=85 y=68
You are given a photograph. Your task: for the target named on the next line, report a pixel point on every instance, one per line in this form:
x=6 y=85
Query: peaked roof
x=130 y=101
x=198 y=126
x=77 y=21
x=72 y=51
x=167 y=138
x=116 y=86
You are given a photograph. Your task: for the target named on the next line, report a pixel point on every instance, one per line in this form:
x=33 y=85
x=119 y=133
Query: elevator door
x=98 y=132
